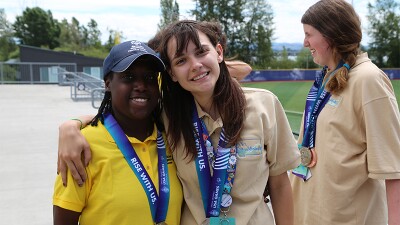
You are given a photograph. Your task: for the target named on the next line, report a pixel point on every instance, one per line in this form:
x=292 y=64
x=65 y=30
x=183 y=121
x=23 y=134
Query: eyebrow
x=202 y=47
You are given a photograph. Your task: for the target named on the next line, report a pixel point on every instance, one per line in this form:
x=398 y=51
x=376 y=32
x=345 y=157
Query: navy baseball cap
x=123 y=55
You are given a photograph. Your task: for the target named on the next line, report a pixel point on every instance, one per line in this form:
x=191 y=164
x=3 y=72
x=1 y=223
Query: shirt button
x=144 y=149
x=147 y=167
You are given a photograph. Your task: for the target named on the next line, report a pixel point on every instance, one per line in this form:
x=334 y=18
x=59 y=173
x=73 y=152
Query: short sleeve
x=382 y=125
x=71 y=197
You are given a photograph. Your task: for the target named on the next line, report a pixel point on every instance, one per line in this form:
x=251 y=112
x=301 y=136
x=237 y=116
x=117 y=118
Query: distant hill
x=296 y=47
x=278 y=46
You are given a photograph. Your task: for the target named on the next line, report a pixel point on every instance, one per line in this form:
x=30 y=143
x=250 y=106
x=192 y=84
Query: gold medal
x=305 y=156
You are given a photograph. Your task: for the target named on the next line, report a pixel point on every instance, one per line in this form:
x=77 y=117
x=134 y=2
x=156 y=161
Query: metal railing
x=32 y=73
x=84 y=87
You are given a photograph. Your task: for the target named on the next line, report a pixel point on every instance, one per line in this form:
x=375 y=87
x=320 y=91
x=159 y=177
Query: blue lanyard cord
x=317 y=98
x=158 y=202
x=202 y=167
x=163 y=176
x=221 y=182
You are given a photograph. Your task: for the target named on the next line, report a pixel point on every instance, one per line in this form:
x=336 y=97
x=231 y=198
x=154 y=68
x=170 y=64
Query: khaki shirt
x=266 y=148
x=357 y=146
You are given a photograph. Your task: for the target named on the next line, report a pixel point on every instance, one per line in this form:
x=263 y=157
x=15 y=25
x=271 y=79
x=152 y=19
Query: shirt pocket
x=249 y=165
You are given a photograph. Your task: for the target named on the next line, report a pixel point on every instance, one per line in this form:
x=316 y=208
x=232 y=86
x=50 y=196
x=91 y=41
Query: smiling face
x=319 y=47
x=196 y=68
x=134 y=92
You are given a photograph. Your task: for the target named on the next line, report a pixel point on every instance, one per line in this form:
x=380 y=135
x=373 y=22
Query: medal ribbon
x=231 y=167
x=316 y=100
x=158 y=203
x=212 y=187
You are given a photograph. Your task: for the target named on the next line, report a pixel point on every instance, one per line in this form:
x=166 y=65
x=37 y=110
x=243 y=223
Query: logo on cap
x=137 y=46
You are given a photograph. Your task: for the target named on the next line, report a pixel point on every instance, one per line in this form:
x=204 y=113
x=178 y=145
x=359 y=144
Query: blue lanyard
x=316 y=100
x=213 y=187
x=158 y=203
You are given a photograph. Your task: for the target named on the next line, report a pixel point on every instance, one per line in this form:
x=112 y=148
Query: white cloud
x=138 y=19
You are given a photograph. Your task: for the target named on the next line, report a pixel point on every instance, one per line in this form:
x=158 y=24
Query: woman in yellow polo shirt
x=131 y=178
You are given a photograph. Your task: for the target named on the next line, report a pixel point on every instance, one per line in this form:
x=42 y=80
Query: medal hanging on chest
x=308 y=157
x=316 y=100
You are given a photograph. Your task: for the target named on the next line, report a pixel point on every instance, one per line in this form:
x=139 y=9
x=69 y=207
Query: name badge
x=249 y=147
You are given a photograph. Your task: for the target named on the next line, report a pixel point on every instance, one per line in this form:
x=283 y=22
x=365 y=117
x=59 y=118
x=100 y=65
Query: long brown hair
x=228 y=97
x=338 y=22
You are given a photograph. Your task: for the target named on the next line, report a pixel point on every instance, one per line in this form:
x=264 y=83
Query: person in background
x=131 y=177
x=228 y=142
x=350 y=133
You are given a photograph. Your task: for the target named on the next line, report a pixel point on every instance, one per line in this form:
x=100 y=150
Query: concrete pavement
x=29 y=119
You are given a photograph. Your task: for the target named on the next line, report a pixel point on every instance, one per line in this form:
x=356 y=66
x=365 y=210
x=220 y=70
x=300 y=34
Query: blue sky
x=138 y=19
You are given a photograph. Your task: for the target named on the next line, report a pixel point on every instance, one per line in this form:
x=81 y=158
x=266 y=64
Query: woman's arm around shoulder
x=238 y=69
x=71 y=145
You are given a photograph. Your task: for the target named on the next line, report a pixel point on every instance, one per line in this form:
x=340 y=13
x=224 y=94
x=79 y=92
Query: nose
x=306 y=43
x=140 y=84
x=195 y=64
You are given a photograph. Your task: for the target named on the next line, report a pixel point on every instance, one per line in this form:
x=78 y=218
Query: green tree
x=384 y=29
x=247 y=24
x=230 y=14
x=258 y=31
x=282 y=60
x=169 y=12
x=83 y=40
x=205 y=10
x=37 y=27
x=7 y=43
x=93 y=34
x=305 y=60
x=70 y=34
x=114 y=38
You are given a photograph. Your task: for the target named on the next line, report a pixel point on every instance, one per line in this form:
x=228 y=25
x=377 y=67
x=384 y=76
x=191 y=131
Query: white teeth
x=140 y=99
x=201 y=76
x=312 y=51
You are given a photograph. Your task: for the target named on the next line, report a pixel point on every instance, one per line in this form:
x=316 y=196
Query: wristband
x=81 y=126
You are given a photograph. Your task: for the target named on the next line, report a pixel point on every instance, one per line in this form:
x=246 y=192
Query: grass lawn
x=292 y=95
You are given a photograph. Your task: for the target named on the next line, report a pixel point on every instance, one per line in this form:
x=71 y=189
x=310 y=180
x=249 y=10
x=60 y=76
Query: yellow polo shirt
x=266 y=148
x=358 y=146
x=112 y=193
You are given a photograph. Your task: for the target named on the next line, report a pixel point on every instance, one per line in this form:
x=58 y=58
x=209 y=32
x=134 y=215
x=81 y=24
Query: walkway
x=29 y=119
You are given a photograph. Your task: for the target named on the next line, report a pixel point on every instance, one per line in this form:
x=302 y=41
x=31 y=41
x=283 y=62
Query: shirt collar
x=152 y=137
x=361 y=58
